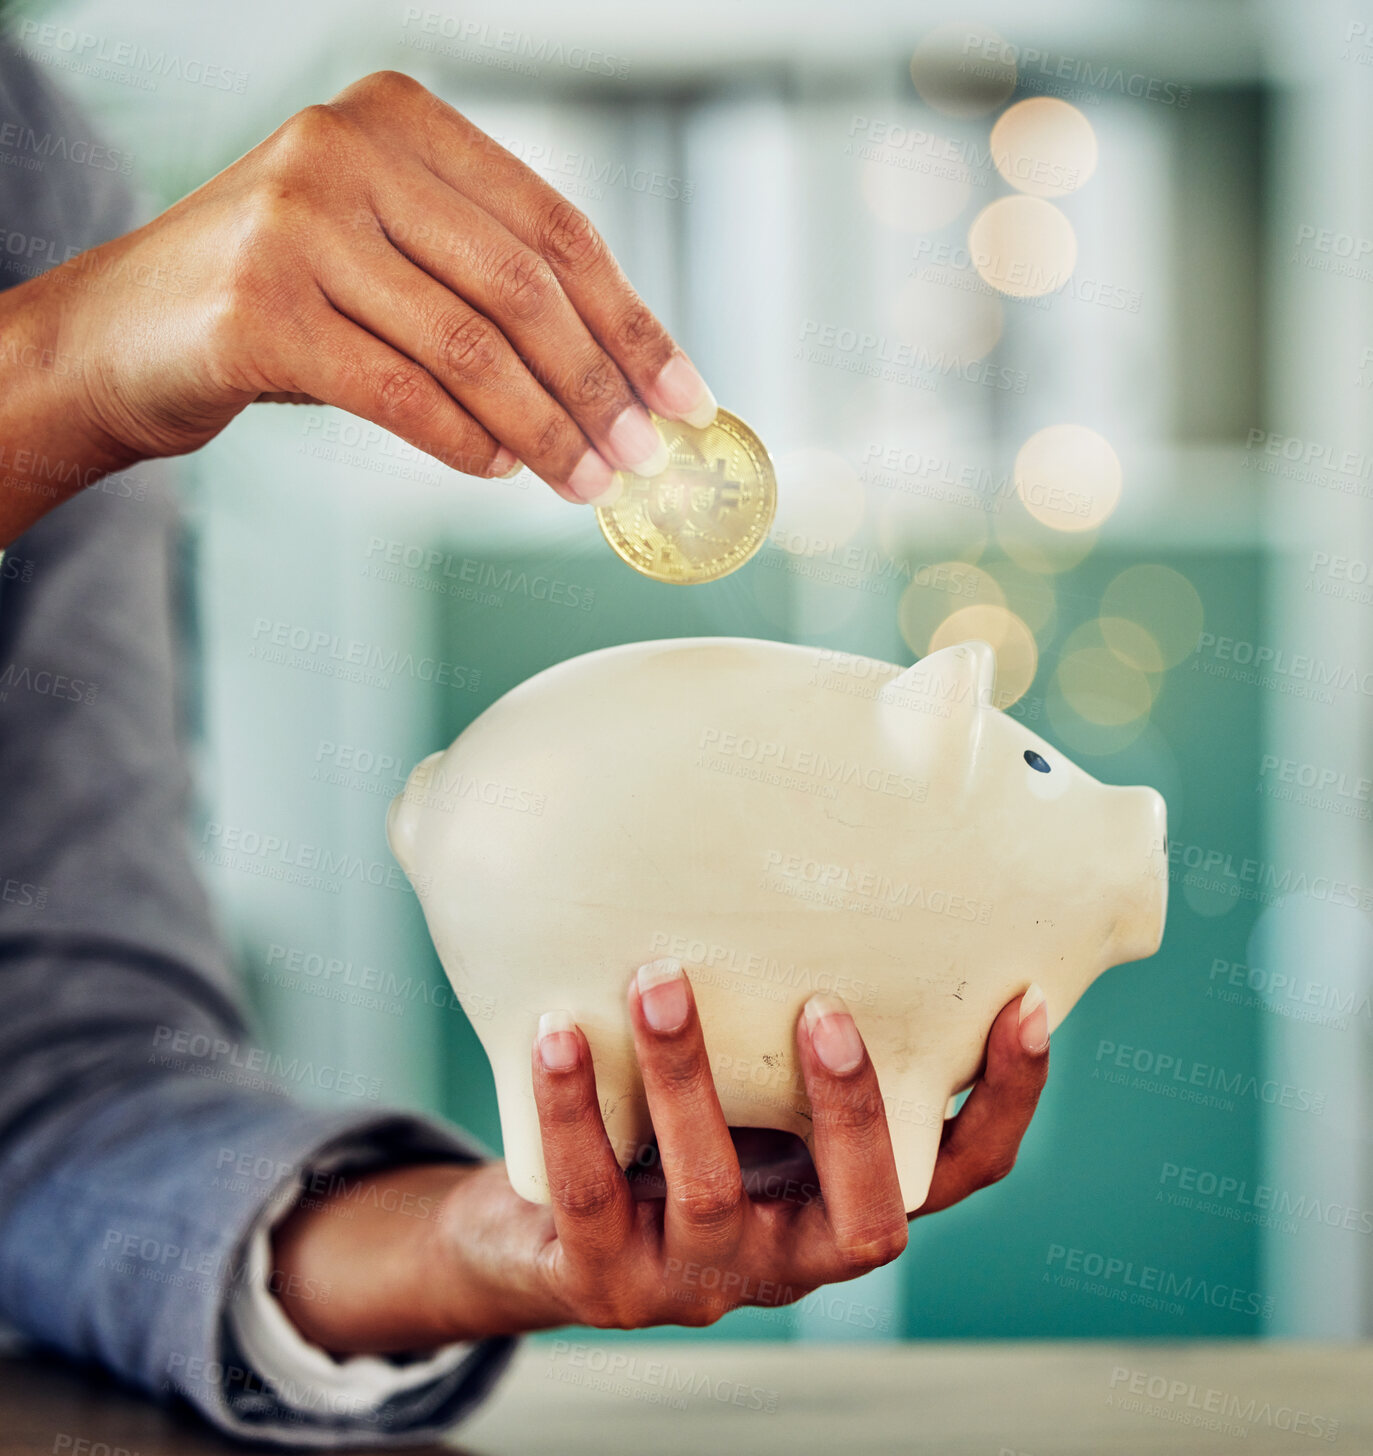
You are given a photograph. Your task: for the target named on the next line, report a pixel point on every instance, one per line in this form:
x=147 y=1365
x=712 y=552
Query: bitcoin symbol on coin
x=702 y=517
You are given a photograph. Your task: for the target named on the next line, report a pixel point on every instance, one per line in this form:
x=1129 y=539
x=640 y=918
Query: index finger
x=851 y=1142
x=537 y=213
x=592 y=1207
x=982 y=1141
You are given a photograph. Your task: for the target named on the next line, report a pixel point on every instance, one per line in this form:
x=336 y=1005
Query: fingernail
x=558 y=1047
x=636 y=444
x=833 y=1034
x=1034 y=1020
x=504 y=465
x=682 y=393
x=592 y=478
x=663 y=995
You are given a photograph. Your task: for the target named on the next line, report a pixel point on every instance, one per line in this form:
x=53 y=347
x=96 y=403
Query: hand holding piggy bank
x=782 y=820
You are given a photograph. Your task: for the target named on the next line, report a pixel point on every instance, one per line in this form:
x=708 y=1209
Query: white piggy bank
x=782 y=820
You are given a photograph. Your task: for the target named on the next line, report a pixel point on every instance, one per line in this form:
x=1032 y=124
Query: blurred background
x=1058 y=321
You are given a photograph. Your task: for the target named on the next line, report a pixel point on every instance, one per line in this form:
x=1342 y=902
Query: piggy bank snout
x=402 y=818
x=1138 y=851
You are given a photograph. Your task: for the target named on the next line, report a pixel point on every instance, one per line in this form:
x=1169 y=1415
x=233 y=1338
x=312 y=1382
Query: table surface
x=683 y=1399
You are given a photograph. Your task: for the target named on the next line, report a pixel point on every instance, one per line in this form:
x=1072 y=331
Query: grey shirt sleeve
x=124 y=1126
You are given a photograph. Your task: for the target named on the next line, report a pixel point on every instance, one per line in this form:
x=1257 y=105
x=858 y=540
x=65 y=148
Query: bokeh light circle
x=1035 y=546
x=1101 y=688
x=1029 y=595
x=936 y=591
x=963 y=69
x=1068 y=477
x=1136 y=646
x=1044 y=146
x=1023 y=246
x=1017 y=657
x=1162 y=603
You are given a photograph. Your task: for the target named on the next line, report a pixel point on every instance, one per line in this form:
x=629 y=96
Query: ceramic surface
x=782 y=820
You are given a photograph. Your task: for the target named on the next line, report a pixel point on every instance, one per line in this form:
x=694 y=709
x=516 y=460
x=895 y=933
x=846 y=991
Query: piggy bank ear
x=949 y=685
x=402 y=818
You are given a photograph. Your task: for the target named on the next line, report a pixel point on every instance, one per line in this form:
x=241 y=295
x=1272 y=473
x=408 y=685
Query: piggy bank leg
x=623 y=1111
x=520 y=1132
x=915 y=1119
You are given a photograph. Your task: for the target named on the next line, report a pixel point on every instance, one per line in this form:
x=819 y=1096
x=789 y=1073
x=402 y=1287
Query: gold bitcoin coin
x=702 y=517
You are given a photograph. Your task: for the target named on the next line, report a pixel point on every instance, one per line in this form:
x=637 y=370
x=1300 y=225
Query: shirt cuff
x=303 y=1376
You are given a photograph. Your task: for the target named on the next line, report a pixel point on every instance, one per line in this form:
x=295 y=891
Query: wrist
x=354 y=1269
x=53 y=445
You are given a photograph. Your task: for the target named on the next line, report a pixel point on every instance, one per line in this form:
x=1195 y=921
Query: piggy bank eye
x=1036 y=761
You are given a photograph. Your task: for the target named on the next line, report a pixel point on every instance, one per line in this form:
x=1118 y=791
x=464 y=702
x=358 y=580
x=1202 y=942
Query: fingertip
x=1032 y=1021
x=592 y=480
x=505 y=465
x=664 y=995
x=557 y=1044
x=833 y=1035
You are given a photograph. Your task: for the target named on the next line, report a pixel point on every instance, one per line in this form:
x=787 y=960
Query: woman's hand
x=489 y=1262
x=379 y=253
